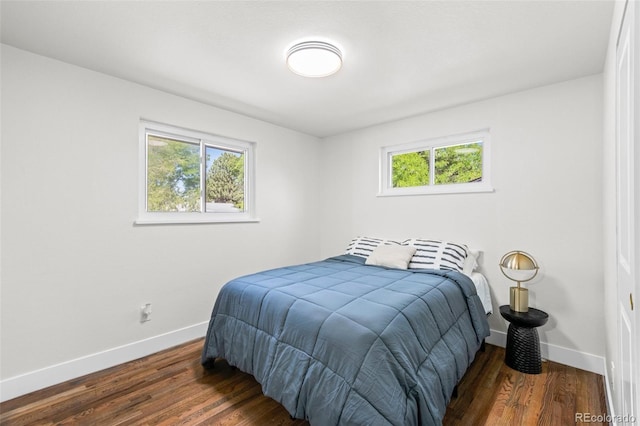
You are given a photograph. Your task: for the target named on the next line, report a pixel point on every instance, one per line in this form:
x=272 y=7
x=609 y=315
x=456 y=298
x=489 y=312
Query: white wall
x=546 y=171
x=75 y=269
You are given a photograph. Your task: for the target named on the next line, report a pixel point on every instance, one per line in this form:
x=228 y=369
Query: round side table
x=523 y=344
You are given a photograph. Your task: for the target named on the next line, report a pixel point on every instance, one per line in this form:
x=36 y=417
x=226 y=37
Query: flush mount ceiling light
x=314 y=59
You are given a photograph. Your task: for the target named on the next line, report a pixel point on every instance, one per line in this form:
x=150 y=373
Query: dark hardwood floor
x=171 y=388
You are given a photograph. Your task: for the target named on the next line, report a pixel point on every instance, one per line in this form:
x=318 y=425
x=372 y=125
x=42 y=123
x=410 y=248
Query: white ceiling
x=401 y=58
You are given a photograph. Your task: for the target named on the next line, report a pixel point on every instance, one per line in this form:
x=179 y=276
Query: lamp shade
x=519 y=266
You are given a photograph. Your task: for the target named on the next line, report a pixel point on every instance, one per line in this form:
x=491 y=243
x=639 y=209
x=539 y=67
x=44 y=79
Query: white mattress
x=482 y=287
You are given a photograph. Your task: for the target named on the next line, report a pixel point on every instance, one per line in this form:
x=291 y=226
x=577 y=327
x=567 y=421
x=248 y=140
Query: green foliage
x=410 y=169
x=225 y=180
x=173 y=175
x=453 y=164
x=458 y=164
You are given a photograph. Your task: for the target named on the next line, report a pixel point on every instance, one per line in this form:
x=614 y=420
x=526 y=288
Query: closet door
x=628 y=224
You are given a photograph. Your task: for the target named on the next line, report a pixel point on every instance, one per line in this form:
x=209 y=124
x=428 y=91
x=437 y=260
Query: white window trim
x=386 y=190
x=203 y=139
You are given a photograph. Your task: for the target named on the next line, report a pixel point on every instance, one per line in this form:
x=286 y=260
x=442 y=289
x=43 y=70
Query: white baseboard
x=20 y=385
x=559 y=354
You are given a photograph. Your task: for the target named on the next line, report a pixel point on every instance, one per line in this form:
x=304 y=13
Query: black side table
x=523 y=343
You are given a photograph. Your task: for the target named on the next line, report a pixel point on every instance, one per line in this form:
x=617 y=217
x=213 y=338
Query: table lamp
x=520 y=267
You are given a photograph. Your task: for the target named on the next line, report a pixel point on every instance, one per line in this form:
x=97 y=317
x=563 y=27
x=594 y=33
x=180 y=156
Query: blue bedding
x=340 y=342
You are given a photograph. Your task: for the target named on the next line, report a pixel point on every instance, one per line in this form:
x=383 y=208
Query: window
x=189 y=176
x=451 y=164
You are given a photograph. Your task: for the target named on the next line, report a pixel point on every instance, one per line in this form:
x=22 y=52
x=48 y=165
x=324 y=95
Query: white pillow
x=391 y=256
x=471 y=262
x=437 y=254
x=363 y=246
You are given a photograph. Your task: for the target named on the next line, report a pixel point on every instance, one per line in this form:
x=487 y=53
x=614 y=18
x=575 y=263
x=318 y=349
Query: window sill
x=193 y=220
x=436 y=190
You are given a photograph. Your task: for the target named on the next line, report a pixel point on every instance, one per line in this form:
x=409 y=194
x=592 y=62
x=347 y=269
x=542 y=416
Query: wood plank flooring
x=171 y=388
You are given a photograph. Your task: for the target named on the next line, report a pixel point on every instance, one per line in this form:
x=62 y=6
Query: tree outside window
x=451 y=164
x=195 y=177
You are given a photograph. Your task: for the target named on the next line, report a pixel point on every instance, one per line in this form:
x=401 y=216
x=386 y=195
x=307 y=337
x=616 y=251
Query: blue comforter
x=340 y=342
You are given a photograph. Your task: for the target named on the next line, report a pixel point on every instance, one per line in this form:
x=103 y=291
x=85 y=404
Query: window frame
x=386 y=152
x=204 y=140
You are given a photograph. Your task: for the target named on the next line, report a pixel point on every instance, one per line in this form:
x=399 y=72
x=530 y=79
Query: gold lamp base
x=519 y=299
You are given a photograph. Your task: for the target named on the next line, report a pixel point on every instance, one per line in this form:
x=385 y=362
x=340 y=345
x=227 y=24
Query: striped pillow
x=436 y=254
x=363 y=246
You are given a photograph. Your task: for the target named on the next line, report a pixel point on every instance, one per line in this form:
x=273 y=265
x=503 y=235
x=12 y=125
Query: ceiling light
x=314 y=59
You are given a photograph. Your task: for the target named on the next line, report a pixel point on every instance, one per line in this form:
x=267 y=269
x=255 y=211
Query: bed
x=342 y=342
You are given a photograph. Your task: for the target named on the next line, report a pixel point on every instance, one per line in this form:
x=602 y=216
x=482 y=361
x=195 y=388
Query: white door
x=628 y=224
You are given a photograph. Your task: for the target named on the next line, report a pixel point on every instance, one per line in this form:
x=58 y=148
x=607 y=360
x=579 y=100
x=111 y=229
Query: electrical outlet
x=145 y=312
